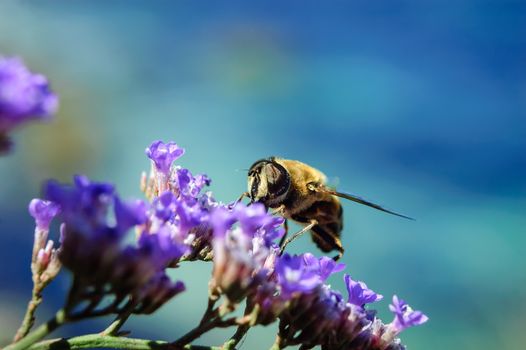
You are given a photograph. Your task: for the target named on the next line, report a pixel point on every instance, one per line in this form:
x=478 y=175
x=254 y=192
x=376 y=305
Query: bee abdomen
x=326 y=234
x=324 y=212
x=327 y=237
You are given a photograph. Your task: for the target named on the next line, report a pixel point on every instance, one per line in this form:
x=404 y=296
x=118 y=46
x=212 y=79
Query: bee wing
x=357 y=199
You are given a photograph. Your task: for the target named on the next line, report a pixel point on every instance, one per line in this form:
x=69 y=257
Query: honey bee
x=300 y=193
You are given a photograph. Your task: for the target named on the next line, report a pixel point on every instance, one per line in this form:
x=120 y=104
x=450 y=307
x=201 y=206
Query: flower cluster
x=44 y=262
x=173 y=226
x=95 y=223
x=178 y=205
x=248 y=264
x=180 y=223
x=243 y=255
x=24 y=96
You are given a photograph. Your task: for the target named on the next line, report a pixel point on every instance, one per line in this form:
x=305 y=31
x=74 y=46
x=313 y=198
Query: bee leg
x=286 y=226
x=297 y=234
x=278 y=210
x=243 y=195
x=338 y=257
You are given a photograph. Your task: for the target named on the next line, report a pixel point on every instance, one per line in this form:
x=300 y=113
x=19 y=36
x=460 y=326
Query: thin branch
x=91 y=341
x=116 y=325
x=209 y=310
x=231 y=343
x=279 y=343
x=202 y=329
x=40 y=332
x=29 y=317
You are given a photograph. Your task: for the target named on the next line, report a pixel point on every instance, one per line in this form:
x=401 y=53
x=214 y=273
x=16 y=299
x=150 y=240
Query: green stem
x=231 y=343
x=29 y=317
x=116 y=325
x=209 y=310
x=40 y=332
x=196 y=332
x=279 y=343
x=91 y=341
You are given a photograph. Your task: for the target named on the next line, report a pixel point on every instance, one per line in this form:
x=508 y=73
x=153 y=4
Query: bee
x=300 y=193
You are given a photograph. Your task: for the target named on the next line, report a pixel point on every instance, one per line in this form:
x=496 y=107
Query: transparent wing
x=359 y=200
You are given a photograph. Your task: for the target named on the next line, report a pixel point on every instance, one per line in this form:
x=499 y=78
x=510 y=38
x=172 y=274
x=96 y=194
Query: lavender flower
x=322 y=317
x=163 y=155
x=160 y=248
x=289 y=278
x=24 y=96
x=405 y=316
x=359 y=294
x=129 y=214
x=188 y=185
x=294 y=276
x=158 y=291
x=323 y=266
x=96 y=221
x=44 y=262
x=43 y=212
x=177 y=200
x=186 y=222
x=240 y=254
x=312 y=314
x=386 y=335
x=179 y=214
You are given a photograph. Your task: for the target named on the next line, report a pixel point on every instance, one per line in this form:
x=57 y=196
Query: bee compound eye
x=278 y=179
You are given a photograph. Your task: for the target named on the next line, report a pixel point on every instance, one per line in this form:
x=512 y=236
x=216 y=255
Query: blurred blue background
x=418 y=105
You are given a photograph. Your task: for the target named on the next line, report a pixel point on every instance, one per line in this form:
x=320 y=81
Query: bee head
x=268 y=182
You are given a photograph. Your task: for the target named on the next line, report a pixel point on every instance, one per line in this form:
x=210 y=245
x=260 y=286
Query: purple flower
x=163 y=155
x=183 y=216
x=129 y=214
x=83 y=195
x=189 y=216
x=322 y=317
x=359 y=294
x=95 y=220
x=252 y=217
x=241 y=254
x=221 y=219
x=253 y=220
x=236 y=268
x=188 y=185
x=84 y=205
x=160 y=248
x=43 y=212
x=294 y=276
x=186 y=220
x=405 y=316
x=323 y=266
x=159 y=290
x=164 y=206
x=23 y=95
x=93 y=247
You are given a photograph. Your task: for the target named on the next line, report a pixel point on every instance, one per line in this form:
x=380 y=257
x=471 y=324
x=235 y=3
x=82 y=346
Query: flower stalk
x=213 y=319
x=29 y=317
x=279 y=343
x=44 y=261
x=40 y=332
x=91 y=341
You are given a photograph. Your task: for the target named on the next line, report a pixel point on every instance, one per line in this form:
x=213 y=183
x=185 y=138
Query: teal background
x=418 y=105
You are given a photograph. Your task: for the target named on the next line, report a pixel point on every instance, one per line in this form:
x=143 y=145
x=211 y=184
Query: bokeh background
x=418 y=105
